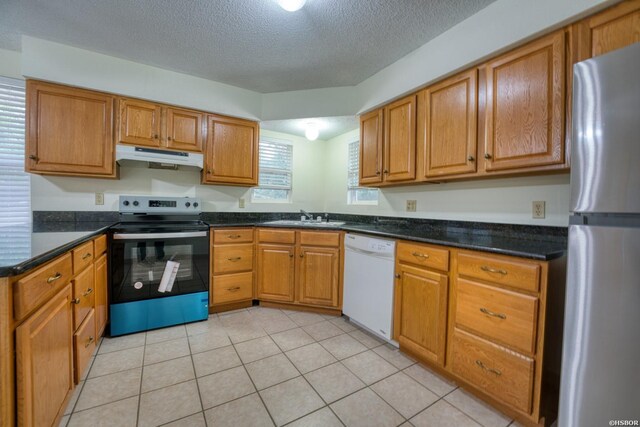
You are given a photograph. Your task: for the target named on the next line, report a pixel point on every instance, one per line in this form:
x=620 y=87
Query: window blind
x=15 y=197
x=353 y=165
x=276 y=166
x=355 y=193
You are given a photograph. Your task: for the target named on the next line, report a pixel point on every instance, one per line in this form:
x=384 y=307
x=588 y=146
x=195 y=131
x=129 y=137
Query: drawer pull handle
x=484 y=368
x=420 y=255
x=75 y=301
x=493 y=270
x=89 y=341
x=54 y=278
x=87 y=255
x=491 y=313
x=234 y=289
x=235 y=259
x=234 y=236
x=87 y=292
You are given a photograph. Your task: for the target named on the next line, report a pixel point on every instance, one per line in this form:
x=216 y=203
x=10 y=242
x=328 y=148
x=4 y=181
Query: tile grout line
x=195 y=377
x=144 y=350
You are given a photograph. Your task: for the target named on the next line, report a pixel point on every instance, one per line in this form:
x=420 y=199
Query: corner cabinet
x=69 y=131
x=231 y=155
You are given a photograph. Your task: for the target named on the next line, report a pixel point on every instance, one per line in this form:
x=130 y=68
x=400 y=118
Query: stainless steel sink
x=310 y=223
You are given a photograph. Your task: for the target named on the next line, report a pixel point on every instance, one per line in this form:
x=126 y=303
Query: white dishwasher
x=368 y=283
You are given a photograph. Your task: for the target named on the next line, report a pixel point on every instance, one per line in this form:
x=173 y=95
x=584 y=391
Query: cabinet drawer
x=84 y=341
x=232 y=258
x=232 y=287
x=33 y=289
x=505 y=375
x=320 y=238
x=233 y=235
x=276 y=236
x=515 y=273
x=82 y=257
x=428 y=256
x=99 y=245
x=508 y=317
x=83 y=296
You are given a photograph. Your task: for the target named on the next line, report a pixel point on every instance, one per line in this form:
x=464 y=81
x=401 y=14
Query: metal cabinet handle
x=290 y=255
x=87 y=292
x=235 y=259
x=487 y=156
x=209 y=171
x=155 y=136
x=493 y=270
x=385 y=171
x=234 y=289
x=484 y=368
x=234 y=236
x=301 y=255
x=89 y=341
x=420 y=255
x=168 y=138
x=54 y=278
x=75 y=301
x=491 y=313
x=87 y=255
x=471 y=158
x=33 y=157
x=397 y=276
x=377 y=172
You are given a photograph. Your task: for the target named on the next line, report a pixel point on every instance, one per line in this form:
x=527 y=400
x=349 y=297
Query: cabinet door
x=276 y=272
x=69 y=131
x=184 y=129
x=400 y=140
x=318 y=276
x=525 y=108
x=44 y=361
x=101 y=294
x=420 y=322
x=139 y=122
x=232 y=151
x=612 y=29
x=451 y=126
x=371 y=147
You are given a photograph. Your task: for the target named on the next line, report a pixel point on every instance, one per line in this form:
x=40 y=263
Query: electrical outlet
x=99 y=198
x=411 y=205
x=537 y=210
x=241 y=203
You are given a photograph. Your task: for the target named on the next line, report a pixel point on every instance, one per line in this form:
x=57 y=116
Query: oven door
x=156 y=265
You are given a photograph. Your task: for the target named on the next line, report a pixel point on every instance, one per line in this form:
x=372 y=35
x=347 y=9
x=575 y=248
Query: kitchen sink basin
x=293 y=223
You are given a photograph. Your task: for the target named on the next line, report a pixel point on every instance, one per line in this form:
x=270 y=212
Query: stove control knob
x=187 y=204
x=195 y=205
x=135 y=203
x=126 y=203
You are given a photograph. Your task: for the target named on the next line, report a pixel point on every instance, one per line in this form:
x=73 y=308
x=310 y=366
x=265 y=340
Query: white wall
x=503 y=200
x=10 y=64
x=50 y=193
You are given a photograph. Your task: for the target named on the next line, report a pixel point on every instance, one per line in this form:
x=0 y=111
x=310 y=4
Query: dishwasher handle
x=370 y=253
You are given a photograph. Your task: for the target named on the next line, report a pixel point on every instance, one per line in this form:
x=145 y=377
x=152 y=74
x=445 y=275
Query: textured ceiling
x=329 y=127
x=253 y=44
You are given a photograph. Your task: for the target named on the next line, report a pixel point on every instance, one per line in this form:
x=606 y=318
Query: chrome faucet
x=307 y=214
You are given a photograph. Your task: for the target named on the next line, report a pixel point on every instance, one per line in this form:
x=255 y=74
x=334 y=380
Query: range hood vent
x=157 y=159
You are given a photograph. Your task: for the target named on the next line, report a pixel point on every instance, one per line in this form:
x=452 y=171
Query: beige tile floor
x=265 y=367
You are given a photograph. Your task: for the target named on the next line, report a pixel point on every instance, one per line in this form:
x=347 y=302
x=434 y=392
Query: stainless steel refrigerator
x=600 y=377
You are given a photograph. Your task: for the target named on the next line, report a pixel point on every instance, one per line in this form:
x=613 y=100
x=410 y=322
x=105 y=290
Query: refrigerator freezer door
x=601 y=349
x=605 y=171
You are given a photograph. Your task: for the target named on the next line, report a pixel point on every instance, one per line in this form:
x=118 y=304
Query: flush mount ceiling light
x=291 y=5
x=311 y=131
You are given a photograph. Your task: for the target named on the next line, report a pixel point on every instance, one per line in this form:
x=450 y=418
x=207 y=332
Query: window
x=276 y=164
x=358 y=195
x=15 y=197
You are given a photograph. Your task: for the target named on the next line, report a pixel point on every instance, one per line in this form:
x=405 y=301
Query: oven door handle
x=143 y=236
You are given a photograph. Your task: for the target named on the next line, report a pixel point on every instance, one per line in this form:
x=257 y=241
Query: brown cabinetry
x=232 y=266
x=101 y=292
x=371 y=127
x=400 y=140
x=318 y=276
x=276 y=272
x=231 y=155
x=69 y=131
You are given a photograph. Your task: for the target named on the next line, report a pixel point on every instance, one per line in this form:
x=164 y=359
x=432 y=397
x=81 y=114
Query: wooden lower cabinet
x=318 y=276
x=101 y=292
x=276 y=272
x=44 y=362
x=232 y=266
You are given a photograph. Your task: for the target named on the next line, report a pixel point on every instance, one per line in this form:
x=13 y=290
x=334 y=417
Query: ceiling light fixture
x=291 y=5
x=311 y=131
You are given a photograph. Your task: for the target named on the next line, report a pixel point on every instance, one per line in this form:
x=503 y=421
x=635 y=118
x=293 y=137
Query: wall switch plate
x=99 y=198
x=538 y=210
x=411 y=205
x=241 y=203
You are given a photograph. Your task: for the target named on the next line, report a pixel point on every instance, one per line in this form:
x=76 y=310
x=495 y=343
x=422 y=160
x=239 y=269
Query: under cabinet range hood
x=157 y=159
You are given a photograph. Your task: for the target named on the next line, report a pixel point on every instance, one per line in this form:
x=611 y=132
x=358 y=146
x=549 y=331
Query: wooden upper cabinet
x=318 y=276
x=525 y=106
x=371 y=147
x=139 y=122
x=612 y=29
x=450 y=126
x=400 y=140
x=69 y=131
x=231 y=152
x=184 y=129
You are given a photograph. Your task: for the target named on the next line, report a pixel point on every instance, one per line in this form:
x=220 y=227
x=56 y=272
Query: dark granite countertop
x=51 y=237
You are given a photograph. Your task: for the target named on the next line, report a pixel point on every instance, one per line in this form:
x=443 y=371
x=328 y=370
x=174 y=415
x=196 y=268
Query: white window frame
x=261 y=187
x=354 y=191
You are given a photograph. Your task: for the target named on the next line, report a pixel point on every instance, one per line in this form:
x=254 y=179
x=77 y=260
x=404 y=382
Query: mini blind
x=355 y=193
x=353 y=165
x=276 y=165
x=15 y=197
